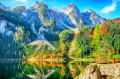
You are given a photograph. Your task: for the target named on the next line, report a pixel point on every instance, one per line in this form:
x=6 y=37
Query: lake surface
x=41 y=69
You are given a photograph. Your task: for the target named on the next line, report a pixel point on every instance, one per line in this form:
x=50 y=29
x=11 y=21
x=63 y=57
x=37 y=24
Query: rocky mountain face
x=5 y=29
x=91 y=18
x=54 y=20
x=88 y=17
x=72 y=14
x=2 y=6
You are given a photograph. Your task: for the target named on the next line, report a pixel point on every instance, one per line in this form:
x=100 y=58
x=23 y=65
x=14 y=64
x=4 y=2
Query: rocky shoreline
x=101 y=71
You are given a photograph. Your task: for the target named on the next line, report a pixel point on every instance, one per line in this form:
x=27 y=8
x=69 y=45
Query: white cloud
x=22 y=0
x=109 y=8
x=115 y=0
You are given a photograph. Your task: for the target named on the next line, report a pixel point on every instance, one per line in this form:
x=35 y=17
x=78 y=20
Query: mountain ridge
x=41 y=23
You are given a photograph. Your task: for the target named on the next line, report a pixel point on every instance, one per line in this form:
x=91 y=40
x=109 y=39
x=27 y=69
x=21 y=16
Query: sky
x=105 y=8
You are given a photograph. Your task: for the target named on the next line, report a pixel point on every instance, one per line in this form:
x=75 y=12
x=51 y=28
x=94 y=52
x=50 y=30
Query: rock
x=73 y=14
x=36 y=4
x=91 y=18
x=91 y=72
x=98 y=71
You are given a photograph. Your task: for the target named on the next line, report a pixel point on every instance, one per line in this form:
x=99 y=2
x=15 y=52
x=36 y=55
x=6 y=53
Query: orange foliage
x=113 y=21
x=116 y=22
x=67 y=41
x=60 y=35
x=24 y=57
x=76 y=35
x=26 y=36
x=82 y=31
x=23 y=62
x=91 y=36
x=104 y=30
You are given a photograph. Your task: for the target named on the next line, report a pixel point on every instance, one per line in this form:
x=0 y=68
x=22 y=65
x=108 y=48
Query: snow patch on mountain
x=40 y=36
x=3 y=25
x=24 y=13
x=7 y=28
x=36 y=4
x=8 y=33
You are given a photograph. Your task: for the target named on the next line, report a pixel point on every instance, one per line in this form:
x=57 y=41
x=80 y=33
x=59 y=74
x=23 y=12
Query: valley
x=38 y=42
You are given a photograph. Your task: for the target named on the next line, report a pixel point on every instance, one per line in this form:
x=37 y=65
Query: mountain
x=36 y=4
x=2 y=6
x=91 y=18
x=72 y=13
x=24 y=26
x=88 y=17
x=14 y=34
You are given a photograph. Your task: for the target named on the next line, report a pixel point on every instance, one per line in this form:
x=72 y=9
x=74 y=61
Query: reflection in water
x=11 y=70
x=41 y=69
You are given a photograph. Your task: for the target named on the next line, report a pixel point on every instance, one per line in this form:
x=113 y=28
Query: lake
x=16 y=69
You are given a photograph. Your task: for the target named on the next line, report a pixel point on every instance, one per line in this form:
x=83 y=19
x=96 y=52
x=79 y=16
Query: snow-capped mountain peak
x=36 y=4
x=70 y=8
x=89 y=10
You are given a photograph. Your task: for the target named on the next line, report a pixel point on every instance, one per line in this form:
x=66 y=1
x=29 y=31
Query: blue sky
x=105 y=8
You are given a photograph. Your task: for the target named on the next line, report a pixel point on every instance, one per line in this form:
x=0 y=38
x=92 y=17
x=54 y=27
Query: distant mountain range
x=51 y=20
x=40 y=21
x=2 y=6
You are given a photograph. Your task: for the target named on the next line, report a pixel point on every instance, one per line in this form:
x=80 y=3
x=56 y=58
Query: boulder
x=91 y=72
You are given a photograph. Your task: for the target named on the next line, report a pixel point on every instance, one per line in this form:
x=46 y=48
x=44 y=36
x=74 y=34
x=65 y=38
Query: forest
x=100 y=42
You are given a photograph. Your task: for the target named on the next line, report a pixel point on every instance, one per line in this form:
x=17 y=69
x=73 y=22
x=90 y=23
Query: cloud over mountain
x=110 y=8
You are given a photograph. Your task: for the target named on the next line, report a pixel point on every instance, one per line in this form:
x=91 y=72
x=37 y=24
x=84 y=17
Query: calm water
x=40 y=69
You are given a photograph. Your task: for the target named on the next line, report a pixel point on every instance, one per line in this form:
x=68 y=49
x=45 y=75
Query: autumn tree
x=65 y=39
x=96 y=43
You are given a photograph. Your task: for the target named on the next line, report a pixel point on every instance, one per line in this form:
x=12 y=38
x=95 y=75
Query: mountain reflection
x=41 y=69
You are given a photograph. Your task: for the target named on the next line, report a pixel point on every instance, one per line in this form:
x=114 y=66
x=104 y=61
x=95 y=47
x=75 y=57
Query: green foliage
x=29 y=50
x=97 y=32
x=19 y=35
x=71 y=5
x=66 y=35
x=49 y=24
x=28 y=69
x=8 y=47
x=18 y=9
x=83 y=42
x=12 y=17
x=42 y=8
x=65 y=38
x=51 y=37
x=45 y=49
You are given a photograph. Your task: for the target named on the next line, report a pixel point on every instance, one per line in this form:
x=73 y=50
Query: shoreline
x=12 y=59
x=45 y=59
x=92 y=60
x=2 y=60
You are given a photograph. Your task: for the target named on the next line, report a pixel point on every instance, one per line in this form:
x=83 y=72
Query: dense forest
x=12 y=45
